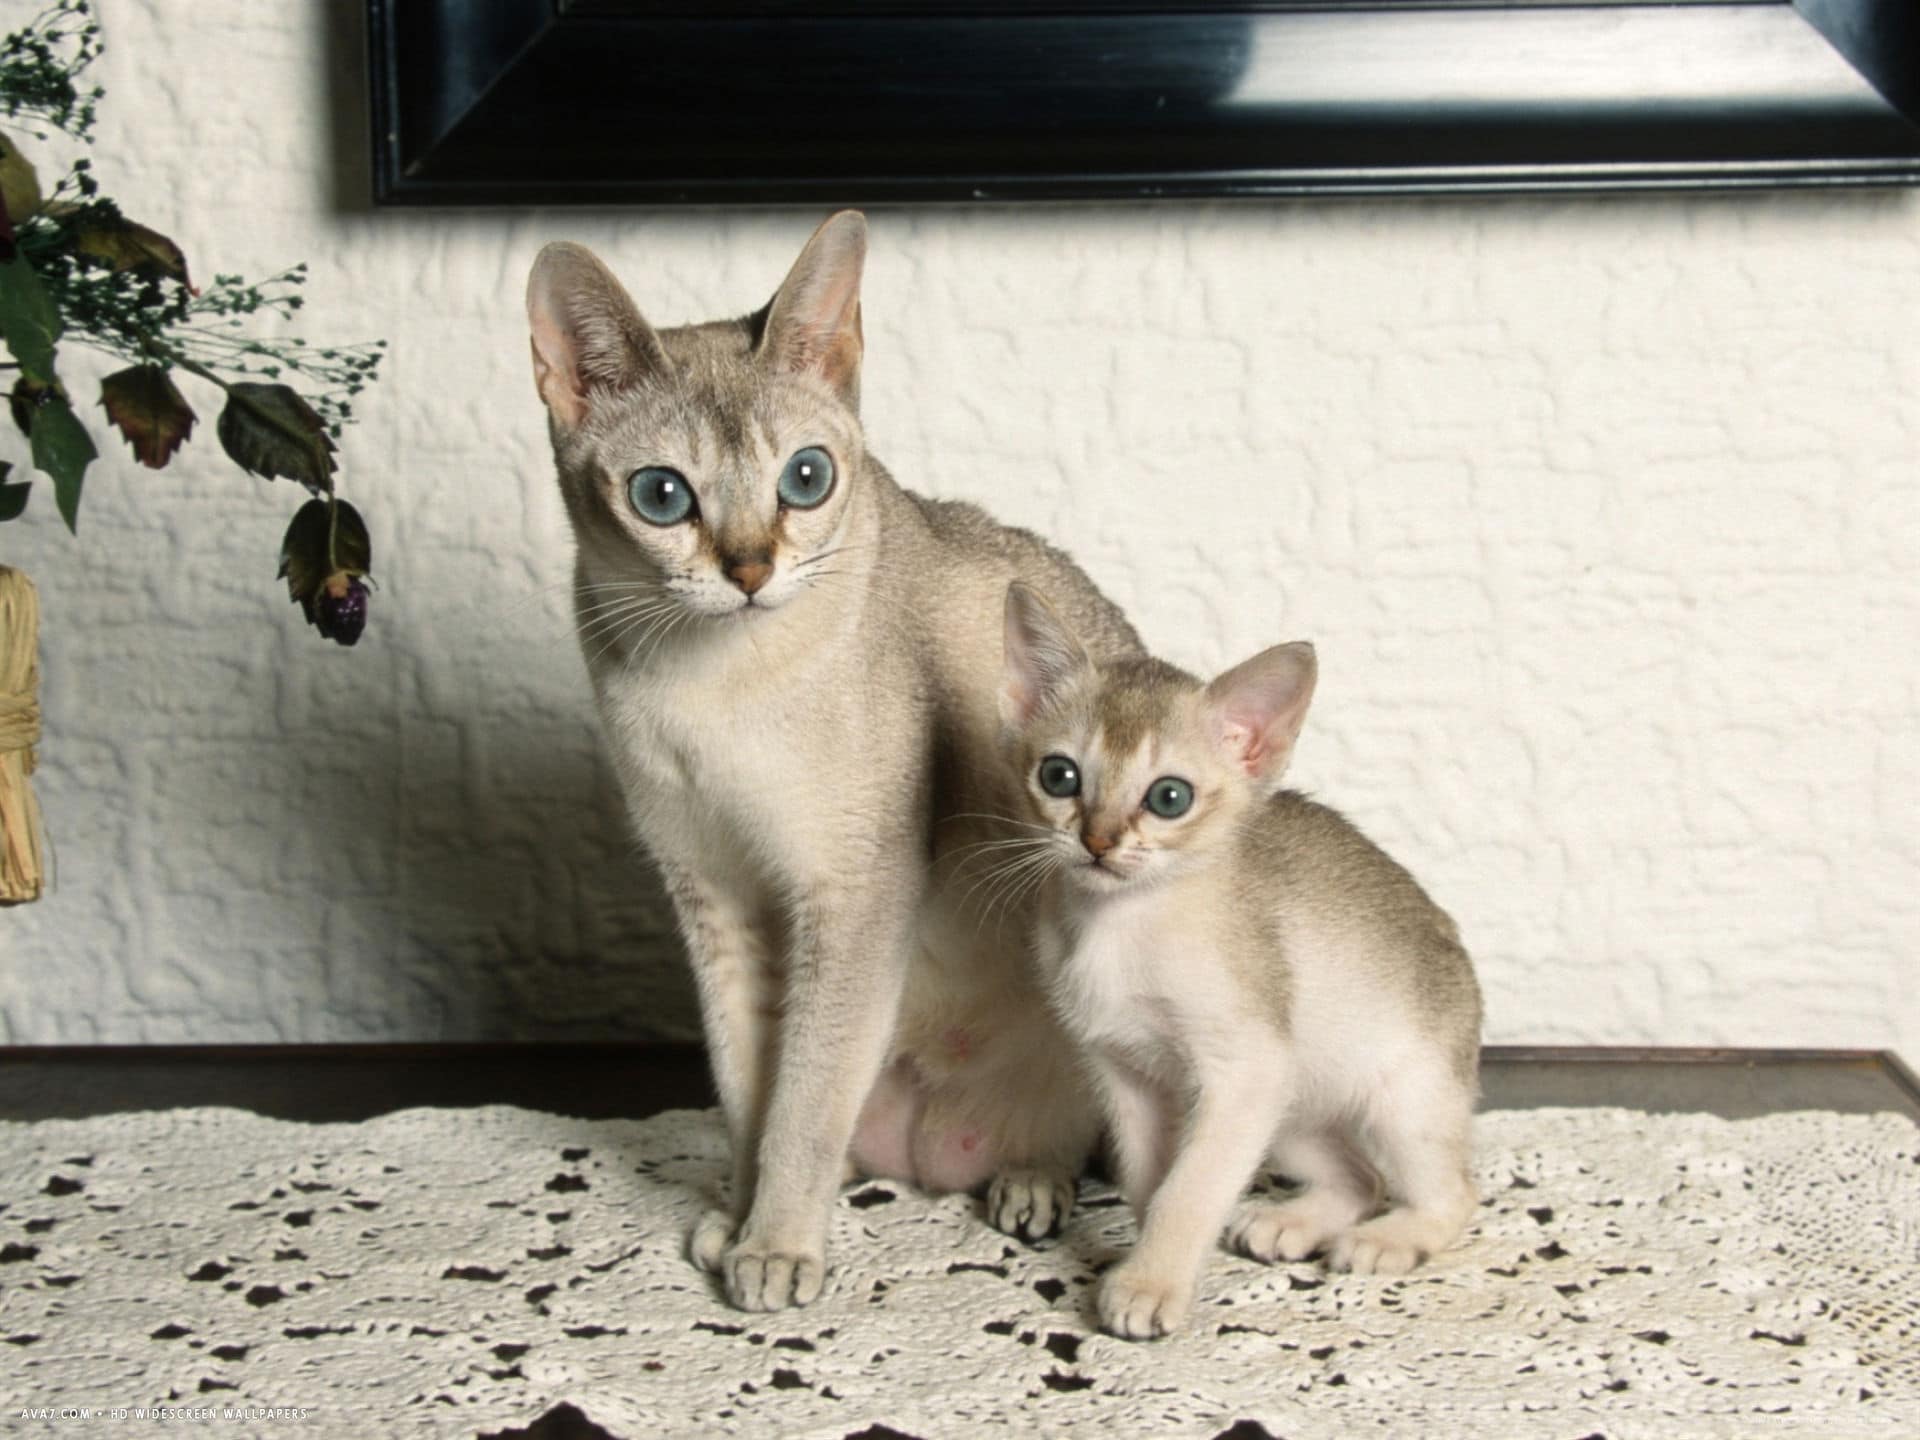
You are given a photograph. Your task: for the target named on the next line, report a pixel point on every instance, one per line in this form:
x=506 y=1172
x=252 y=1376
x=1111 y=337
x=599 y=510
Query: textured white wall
x=1603 y=513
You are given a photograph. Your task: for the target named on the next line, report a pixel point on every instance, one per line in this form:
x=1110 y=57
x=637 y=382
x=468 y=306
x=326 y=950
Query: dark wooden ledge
x=601 y=1081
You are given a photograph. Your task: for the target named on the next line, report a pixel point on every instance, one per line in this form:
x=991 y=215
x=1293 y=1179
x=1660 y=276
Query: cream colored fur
x=1250 y=980
x=811 y=762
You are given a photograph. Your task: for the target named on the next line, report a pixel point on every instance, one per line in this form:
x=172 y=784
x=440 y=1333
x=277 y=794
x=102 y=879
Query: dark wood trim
x=1903 y=1076
x=1683 y=1054
x=605 y=1080
x=397 y=1050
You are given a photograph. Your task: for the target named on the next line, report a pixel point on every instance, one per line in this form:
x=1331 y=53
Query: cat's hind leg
x=1029 y=1204
x=1040 y=1121
x=1339 y=1191
x=1416 y=1134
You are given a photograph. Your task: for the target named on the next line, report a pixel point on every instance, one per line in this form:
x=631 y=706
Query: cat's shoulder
x=1322 y=857
x=966 y=526
x=1291 y=827
x=1298 y=809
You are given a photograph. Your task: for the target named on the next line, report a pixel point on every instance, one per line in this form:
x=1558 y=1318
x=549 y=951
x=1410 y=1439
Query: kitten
x=796 y=663
x=1248 y=976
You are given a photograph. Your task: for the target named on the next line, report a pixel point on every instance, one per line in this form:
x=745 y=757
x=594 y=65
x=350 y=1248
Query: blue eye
x=807 y=480
x=1169 y=798
x=1059 y=777
x=661 y=496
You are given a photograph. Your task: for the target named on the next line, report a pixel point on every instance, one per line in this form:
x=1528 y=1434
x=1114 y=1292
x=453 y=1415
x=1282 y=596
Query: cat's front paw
x=759 y=1277
x=1030 y=1204
x=707 y=1242
x=1136 y=1304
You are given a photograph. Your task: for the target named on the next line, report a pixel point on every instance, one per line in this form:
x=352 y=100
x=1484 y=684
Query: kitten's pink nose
x=749 y=575
x=1097 y=845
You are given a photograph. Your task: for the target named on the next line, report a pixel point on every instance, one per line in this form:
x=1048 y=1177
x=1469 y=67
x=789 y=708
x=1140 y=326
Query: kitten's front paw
x=1138 y=1305
x=759 y=1278
x=1390 y=1245
x=707 y=1242
x=1030 y=1204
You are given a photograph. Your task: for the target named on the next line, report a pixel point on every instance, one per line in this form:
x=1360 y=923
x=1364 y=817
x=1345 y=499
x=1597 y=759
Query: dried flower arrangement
x=74 y=268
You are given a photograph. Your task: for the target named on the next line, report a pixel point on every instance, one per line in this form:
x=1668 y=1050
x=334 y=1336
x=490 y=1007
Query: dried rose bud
x=341 y=609
x=324 y=560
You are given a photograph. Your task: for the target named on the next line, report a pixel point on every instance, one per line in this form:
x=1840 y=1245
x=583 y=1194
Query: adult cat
x=797 y=664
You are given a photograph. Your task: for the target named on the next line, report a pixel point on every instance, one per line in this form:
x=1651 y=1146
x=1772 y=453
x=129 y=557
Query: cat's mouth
x=751 y=608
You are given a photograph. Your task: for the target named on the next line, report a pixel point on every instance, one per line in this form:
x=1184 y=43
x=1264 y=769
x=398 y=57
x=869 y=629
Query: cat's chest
x=707 y=734
x=766 y=754
x=1122 y=974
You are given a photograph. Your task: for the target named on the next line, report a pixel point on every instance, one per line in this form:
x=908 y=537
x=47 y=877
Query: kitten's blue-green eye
x=807 y=480
x=1169 y=798
x=1059 y=777
x=661 y=496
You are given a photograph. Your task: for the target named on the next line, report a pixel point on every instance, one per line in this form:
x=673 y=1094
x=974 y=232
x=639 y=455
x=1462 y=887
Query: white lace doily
x=462 y=1272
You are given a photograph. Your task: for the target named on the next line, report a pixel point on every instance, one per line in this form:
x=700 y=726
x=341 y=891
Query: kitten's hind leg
x=1416 y=1134
x=1340 y=1190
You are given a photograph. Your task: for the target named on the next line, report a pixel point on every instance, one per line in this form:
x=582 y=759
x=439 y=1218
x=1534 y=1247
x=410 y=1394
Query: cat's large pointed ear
x=588 y=339
x=1257 y=708
x=1042 y=656
x=813 y=322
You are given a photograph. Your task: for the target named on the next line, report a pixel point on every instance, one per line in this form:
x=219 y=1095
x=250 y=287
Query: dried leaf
x=352 y=546
x=326 y=537
x=149 y=410
x=29 y=320
x=124 y=244
x=62 y=449
x=270 y=431
x=13 y=496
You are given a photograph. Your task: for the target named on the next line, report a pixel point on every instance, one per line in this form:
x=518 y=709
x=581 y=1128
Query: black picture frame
x=830 y=102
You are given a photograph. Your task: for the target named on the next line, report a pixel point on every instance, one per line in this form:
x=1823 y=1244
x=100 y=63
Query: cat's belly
x=982 y=1080
x=883 y=1138
x=906 y=1132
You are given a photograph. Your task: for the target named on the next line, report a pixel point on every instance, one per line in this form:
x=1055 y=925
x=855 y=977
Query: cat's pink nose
x=1097 y=845
x=749 y=575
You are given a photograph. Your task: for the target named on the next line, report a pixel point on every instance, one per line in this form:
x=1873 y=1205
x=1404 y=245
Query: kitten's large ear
x=1258 y=707
x=813 y=322
x=588 y=339
x=1042 y=656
